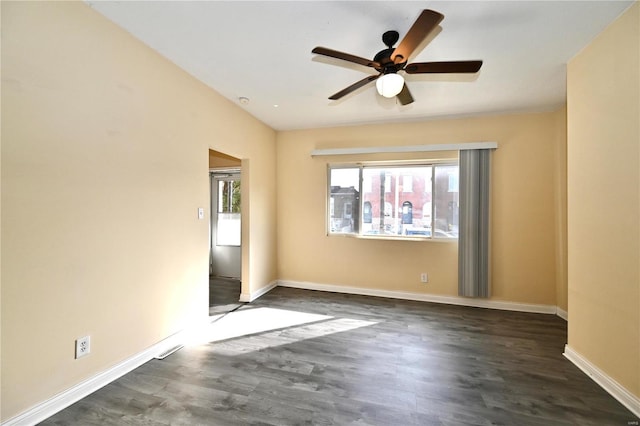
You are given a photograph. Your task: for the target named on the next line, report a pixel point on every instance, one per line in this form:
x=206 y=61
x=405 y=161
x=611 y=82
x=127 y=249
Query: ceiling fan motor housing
x=383 y=57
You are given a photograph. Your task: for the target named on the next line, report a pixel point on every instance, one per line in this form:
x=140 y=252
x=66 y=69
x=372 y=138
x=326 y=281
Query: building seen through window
x=410 y=201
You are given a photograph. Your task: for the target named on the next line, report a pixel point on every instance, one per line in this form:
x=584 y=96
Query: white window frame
x=359 y=218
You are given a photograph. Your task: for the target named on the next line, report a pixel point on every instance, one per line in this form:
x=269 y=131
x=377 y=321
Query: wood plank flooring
x=357 y=360
x=224 y=294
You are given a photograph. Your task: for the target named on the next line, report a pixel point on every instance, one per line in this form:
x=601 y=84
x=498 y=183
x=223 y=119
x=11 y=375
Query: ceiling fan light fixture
x=389 y=85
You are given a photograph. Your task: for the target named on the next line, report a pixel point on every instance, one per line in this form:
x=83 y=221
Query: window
x=344 y=201
x=412 y=201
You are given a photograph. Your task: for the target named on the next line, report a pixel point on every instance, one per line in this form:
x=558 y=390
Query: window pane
x=344 y=203
x=446 y=202
x=391 y=210
x=229 y=196
x=228 y=229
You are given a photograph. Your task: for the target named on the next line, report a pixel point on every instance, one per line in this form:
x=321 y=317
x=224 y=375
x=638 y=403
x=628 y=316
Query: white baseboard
x=614 y=388
x=562 y=314
x=451 y=300
x=48 y=408
x=244 y=297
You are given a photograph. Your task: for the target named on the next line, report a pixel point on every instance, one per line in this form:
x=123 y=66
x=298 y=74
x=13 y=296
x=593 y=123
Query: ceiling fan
x=391 y=60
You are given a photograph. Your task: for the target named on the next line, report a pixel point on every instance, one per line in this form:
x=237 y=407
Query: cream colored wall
x=560 y=214
x=603 y=101
x=104 y=164
x=524 y=205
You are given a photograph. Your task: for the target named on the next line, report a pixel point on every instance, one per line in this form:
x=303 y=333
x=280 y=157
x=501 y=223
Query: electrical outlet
x=424 y=278
x=83 y=346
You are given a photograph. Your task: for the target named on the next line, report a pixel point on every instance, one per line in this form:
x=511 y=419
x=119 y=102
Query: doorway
x=225 y=243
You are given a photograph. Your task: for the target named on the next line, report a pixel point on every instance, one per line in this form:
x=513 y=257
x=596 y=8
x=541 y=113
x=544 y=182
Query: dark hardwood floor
x=224 y=295
x=296 y=357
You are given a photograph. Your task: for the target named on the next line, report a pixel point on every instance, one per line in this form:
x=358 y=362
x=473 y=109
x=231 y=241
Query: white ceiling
x=262 y=51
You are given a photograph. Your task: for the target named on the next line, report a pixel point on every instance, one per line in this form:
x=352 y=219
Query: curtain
x=473 y=238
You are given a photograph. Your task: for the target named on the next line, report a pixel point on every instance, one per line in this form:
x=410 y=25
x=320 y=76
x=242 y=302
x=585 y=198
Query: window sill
x=394 y=238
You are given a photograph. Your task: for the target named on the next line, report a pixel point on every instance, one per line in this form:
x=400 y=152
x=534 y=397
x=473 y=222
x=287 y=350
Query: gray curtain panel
x=473 y=239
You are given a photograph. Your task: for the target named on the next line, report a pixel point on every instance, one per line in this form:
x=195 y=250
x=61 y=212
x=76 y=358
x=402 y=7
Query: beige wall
x=104 y=164
x=560 y=205
x=603 y=101
x=524 y=206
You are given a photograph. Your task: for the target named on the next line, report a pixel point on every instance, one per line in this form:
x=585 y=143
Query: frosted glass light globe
x=389 y=85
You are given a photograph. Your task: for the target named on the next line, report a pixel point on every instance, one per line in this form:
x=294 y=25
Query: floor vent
x=168 y=352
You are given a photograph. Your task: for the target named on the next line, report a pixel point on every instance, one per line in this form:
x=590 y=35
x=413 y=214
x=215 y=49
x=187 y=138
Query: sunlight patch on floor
x=267 y=327
x=289 y=335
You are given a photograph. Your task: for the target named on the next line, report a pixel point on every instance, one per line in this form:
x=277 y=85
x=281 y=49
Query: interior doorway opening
x=225 y=239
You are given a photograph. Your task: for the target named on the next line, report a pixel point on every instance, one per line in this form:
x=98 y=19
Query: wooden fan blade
x=404 y=96
x=353 y=87
x=345 y=57
x=426 y=22
x=443 y=67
